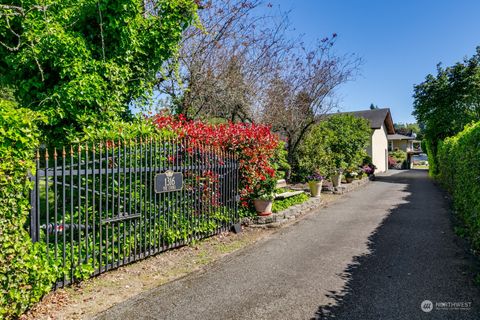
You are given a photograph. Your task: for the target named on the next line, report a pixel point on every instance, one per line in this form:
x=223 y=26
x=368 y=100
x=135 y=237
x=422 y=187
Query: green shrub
x=279 y=205
x=430 y=149
x=280 y=163
x=26 y=273
x=398 y=155
x=336 y=143
x=123 y=130
x=458 y=161
x=399 y=158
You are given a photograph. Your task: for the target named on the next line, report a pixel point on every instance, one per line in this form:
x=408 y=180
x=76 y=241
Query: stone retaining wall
x=277 y=219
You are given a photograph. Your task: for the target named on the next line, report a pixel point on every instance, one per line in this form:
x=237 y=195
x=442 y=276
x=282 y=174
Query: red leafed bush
x=253 y=145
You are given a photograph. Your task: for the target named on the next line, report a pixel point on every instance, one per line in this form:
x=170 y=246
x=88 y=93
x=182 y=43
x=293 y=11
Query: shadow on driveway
x=414 y=256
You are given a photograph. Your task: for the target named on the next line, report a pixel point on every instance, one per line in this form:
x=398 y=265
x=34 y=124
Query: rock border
x=278 y=219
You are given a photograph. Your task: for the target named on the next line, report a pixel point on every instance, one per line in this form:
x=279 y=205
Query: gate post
x=33 y=209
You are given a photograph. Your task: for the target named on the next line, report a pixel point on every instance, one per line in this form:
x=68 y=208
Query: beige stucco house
x=405 y=143
x=381 y=124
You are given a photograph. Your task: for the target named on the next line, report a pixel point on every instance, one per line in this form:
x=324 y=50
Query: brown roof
x=376 y=117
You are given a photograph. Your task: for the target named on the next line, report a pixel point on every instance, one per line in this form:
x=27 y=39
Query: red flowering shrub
x=253 y=145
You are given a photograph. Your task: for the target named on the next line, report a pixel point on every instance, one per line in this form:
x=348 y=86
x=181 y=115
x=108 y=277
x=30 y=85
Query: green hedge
x=458 y=161
x=430 y=149
x=25 y=272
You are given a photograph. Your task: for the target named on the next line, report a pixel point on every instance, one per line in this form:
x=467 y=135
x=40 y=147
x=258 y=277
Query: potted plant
x=315 y=181
x=368 y=167
x=361 y=173
x=337 y=169
x=350 y=174
x=263 y=196
x=336 y=177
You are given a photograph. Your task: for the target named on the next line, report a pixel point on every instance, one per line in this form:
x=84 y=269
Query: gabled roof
x=398 y=136
x=376 y=117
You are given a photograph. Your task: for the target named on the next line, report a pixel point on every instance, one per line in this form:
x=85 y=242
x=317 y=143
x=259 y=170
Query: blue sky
x=400 y=42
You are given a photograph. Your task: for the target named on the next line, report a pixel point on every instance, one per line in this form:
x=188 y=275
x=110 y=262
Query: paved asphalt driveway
x=375 y=254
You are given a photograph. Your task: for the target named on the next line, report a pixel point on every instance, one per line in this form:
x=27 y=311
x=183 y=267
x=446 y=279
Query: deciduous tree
x=303 y=90
x=224 y=66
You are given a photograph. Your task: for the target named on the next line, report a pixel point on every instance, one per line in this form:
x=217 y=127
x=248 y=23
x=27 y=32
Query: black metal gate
x=97 y=207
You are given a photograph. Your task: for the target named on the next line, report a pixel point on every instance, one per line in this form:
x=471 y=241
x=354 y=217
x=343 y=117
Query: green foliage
x=459 y=171
x=430 y=148
x=138 y=128
x=335 y=143
x=246 y=211
x=6 y=94
x=398 y=155
x=279 y=205
x=280 y=163
x=83 y=62
x=448 y=101
x=407 y=128
x=265 y=189
x=25 y=272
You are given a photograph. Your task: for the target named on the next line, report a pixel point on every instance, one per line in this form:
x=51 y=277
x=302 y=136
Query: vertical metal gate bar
x=107 y=215
x=145 y=195
x=163 y=228
x=222 y=187
x=55 y=205
x=94 y=209
x=47 y=207
x=64 y=201
x=168 y=195
x=235 y=188
x=79 y=208
x=156 y=238
x=124 y=207
x=87 y=222
x=136 y=227
x=150 y=197
x=33 y=208
x=119 y=206
x=177 y=212
x=100 y=206
x=197 y=188
x=112 y=223
x=71 y=214
x=130 y=199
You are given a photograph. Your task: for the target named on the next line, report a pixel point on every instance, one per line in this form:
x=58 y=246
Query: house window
x=390 y=145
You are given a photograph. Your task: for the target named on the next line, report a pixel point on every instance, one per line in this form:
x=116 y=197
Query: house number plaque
x=168 y=181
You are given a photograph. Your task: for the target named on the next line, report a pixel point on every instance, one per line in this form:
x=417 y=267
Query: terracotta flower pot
x=315 y=188
x=337 y=179
x=263 y=207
